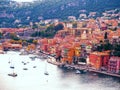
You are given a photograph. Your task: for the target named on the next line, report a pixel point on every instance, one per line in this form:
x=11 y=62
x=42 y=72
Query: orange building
x=98 y=60
x=1 y=50
x=9 y=46
x=67 y=53
x=30 y=47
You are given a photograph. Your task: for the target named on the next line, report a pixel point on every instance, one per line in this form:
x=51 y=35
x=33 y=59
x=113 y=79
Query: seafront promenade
x=80 y=67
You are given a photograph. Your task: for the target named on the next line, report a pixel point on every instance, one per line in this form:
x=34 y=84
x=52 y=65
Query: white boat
x=24 y=53
x=12 y=74
x=34 y=66
x=32 y=58
x=11 y=64
x=46 y=72
x=12 y=67
x=25 y=68
x=78 y=72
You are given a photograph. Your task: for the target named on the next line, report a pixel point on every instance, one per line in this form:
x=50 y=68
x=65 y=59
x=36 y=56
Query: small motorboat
x=78 y=72
x=12 y=74
x=28 y=62
x=24 y=63
x=34 y=66
x=25 y=68
x=32 y=58
x=24 y=53
x=46 y=73
x=94 y=74
x=9 y=62
x=12 y=67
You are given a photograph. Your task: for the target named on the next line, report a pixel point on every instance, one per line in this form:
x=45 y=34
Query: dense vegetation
x=49 y=32
x=106 y=45
x=13 y=14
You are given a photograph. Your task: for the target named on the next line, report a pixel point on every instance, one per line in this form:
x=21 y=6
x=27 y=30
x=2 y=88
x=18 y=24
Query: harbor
x=57 y=79
x=81 y=67
x=59 y=45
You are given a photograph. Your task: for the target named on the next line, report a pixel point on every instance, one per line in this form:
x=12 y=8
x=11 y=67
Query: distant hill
x=13 y=14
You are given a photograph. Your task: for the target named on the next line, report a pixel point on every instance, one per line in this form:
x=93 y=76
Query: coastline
x=83 y=68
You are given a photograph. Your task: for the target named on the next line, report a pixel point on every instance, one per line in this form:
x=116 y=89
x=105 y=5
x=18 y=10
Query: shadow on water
x=91 y=77
x=111 y=77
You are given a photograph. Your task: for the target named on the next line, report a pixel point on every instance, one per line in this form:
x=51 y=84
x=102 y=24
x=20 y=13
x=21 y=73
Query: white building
x=71 y=18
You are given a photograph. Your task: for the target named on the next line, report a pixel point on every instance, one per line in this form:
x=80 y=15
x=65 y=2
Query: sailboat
x=13 y=74
x=11 y=66
x=25 y=68
x=46 y=72
x=25 y=63
x=9 y=60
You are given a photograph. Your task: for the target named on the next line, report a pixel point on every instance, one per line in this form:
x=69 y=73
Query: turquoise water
x=58 y=79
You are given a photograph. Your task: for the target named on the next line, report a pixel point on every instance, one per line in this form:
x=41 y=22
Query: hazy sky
x=23 y=0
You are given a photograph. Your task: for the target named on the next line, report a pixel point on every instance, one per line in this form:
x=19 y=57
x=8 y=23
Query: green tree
x=107 y=46
x=1 y=35
x=14 y=36
x=34 y=26
x=35 y=42
x=50 y=29
x=30 y=41
x=59 y=27
x=75 y=25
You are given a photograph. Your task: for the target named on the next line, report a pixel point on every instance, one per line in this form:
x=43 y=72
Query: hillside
x=13 y=14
